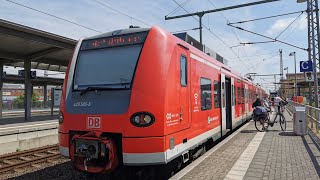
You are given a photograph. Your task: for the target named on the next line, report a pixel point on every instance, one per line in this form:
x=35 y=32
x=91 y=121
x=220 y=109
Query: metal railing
x=312 y=113
x=20 y=105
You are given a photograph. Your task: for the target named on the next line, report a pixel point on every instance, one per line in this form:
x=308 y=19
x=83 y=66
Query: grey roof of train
x=119 y=32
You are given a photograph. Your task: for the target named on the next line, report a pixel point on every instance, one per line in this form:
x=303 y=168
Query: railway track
x=32 y=157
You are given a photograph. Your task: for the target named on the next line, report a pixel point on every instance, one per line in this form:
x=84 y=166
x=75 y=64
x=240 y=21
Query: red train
x=140 y=96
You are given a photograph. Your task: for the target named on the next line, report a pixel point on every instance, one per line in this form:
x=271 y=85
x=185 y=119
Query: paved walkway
x=258 y=155
x=15 y=121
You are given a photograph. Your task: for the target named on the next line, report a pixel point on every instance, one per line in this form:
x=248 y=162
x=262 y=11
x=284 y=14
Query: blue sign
x=306 y=66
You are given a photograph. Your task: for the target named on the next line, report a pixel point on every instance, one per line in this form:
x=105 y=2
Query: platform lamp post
x=295 y=72
x=286 y=68
x=249 y=75
x=287 y=77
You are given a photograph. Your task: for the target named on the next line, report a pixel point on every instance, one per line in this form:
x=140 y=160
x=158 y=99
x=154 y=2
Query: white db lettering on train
x=94 y=122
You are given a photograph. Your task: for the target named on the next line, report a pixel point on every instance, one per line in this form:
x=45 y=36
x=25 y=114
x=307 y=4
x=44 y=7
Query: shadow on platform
x=287 y=134
x=248 y=131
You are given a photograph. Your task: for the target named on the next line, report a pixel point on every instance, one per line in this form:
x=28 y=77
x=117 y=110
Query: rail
x=21 y=159
x=311 y=112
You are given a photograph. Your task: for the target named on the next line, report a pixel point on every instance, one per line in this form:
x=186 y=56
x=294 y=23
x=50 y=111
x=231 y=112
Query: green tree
x=19 y=101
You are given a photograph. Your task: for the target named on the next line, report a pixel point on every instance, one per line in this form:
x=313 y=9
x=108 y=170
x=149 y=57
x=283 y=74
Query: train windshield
x=106 y=67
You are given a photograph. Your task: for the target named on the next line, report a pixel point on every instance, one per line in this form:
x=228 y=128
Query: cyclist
x=278 y=101
x=257 y=102
x=258 y=109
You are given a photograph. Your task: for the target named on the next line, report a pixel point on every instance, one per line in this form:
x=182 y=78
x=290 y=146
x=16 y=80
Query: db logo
x=94 y=122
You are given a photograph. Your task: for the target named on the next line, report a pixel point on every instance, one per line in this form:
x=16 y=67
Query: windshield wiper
x=91 y=88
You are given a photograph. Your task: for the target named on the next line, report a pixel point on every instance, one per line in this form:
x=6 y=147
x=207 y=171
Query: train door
x=185 y=69
x=223 y=105
x=228 y=104
x=246 y=100
x=233 y=100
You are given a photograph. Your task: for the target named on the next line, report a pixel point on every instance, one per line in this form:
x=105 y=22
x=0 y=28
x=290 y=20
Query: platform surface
x=18 y=121
x=248 y=154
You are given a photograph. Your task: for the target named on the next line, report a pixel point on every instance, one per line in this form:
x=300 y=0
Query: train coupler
x=94 y=153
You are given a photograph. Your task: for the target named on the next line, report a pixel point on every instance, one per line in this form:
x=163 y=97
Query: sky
x=107 y=15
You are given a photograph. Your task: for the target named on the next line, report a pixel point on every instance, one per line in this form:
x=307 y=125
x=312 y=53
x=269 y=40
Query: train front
x=98 y=105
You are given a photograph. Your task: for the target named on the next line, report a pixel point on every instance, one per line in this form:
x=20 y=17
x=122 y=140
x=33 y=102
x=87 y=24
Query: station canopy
x=45 y=50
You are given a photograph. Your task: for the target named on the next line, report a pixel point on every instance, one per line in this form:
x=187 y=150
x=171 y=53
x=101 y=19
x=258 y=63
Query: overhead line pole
x=201 y=14
x=314 y=41
x=281 y=71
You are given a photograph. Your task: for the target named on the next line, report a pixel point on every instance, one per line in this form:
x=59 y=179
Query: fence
x=312 y=114
x=34 y=105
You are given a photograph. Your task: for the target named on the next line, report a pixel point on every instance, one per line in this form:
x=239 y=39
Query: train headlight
x=142 y=119
x=137 y=119
x=147 y=119
x=61 y=117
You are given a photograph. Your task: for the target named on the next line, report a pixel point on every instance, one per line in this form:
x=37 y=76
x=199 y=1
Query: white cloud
x=282 y=24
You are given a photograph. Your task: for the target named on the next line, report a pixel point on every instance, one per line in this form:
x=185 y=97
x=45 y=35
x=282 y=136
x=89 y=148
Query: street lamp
x=249 y=75
x=287 y=77
x=286 y=68
x=295 y=72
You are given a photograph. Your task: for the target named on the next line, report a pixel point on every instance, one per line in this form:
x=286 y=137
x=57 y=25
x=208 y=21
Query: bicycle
x=283 y=122
x=263 y=122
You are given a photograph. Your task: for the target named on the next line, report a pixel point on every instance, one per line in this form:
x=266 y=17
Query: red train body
x=145 y=97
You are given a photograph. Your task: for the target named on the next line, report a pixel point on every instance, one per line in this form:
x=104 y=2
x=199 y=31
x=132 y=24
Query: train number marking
x=94 y=122
x=82 y=104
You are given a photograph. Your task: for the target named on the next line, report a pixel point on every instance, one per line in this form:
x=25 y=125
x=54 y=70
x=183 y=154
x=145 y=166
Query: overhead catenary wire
x=253 y=56
x=289 y=34
x=233 y=31
x=191 y=29
x=240 y=28
x=273 y=39
x=107 y=6
x=288 y=26
x=216 y=37
x=267 y=17
x=57 y=17
x=177 y=8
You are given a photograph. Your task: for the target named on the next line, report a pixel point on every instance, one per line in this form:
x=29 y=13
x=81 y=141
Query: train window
x=106 y=67
x=183 y=70
x=242 y=95
x=247 y=95
x=217 y=94
x=223 y=95
x=233 y=96
x=206 y=100
x=239 y=96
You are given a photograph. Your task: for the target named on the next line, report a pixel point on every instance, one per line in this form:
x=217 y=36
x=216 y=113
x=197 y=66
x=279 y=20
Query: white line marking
x=240 y=168
x=32 y=125
x=195 y=57
x=195 y=163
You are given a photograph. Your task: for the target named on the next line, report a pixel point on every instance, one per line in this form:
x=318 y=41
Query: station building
x=287 y=85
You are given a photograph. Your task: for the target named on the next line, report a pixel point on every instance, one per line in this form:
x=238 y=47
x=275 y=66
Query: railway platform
x=249 y=154
x=17 y=134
